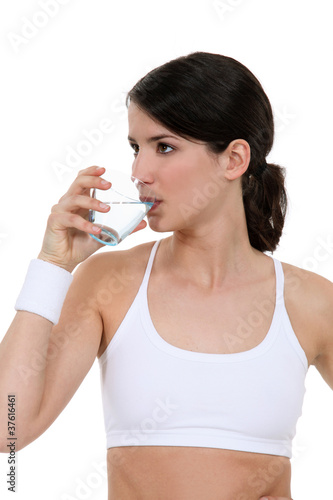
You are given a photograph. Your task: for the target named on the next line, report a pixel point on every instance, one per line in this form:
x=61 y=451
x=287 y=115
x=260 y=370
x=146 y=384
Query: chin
x=166 y=222
x=164 y=226
x=159 y=228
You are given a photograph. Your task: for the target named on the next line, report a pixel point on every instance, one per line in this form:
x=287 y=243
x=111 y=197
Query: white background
x=74 y=72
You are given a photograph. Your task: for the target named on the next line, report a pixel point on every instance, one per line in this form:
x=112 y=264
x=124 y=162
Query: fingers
x=61 y=221
x=72 y=209
x=76 y=202
x=87 y=179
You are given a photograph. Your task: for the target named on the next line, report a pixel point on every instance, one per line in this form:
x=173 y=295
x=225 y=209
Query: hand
x=66 y=241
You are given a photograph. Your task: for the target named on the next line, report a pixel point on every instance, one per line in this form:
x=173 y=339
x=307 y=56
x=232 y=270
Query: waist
x=189 y=473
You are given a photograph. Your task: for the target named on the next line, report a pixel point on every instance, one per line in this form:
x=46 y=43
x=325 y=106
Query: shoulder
x=309 y=300
x=307 y=285
x=118 y=267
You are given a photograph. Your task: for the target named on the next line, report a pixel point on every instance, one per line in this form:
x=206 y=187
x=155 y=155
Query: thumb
x=142 y=225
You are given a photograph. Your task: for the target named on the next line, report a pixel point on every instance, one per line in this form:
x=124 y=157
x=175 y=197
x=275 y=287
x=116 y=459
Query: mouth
x=155 y=205
x=146 y=199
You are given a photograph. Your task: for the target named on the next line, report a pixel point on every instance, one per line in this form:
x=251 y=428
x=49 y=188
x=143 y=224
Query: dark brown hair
x=216 y=99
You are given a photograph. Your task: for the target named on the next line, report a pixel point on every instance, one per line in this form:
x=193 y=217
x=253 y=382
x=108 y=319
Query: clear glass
x=130 y=200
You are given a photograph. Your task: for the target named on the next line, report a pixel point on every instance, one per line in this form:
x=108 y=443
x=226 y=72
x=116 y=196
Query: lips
x=156 y=204
x=147 y=199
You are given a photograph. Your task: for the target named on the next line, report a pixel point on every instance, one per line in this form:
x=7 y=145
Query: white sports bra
x=156 y=394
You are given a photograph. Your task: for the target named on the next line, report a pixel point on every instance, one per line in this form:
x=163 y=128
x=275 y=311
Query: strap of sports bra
x=279 y=275
x=150 y=263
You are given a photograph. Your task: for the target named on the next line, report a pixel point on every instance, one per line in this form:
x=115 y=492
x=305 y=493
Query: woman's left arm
x=324 y=321
x=317 y=300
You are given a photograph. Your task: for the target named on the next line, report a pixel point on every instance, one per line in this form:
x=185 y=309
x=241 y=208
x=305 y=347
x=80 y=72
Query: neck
x=215 y=253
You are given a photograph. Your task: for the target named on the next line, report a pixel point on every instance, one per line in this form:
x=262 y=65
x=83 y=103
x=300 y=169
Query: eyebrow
x=155 y=138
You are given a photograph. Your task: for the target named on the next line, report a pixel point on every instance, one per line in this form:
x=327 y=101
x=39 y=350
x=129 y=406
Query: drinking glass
x=129 y=198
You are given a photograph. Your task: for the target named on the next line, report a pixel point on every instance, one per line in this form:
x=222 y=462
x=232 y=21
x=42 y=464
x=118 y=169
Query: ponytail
x=265 y=204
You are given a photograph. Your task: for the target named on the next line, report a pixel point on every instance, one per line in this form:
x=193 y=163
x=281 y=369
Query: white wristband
x=44 y=290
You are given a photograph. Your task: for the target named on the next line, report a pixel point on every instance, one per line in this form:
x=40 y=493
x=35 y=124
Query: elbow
x=4 y=445
x=10 y=445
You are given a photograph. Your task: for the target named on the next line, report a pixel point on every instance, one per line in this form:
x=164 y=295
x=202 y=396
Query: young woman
x=203 y=340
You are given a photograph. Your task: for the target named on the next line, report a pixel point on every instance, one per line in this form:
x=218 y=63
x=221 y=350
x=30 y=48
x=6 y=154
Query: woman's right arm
x=43 y=364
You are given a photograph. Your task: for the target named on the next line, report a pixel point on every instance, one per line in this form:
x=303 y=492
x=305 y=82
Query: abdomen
x=188 y=473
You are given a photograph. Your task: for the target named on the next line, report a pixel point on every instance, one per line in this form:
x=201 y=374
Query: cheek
x=185 y=171
x=185 y=176
x=174 y=180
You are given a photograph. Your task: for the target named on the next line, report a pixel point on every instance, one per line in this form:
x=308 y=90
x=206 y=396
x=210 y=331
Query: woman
x=203 y=340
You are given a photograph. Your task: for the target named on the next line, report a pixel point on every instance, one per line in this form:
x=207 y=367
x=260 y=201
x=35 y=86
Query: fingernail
x=96 y=229
x=104 y=205
x=105 y=182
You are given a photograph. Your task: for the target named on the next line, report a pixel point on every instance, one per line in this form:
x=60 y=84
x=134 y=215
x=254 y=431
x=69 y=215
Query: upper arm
x=73 y=346
x=324 y=360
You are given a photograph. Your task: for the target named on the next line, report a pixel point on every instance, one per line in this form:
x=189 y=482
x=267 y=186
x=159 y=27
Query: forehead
x=143 y=126
x=139 y=120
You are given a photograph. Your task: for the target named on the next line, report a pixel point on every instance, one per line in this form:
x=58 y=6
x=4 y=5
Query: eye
x=135 y=148
x=163 y=148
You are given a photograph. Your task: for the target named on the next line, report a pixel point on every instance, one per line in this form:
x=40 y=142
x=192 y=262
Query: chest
x=197 y=397
x=217 y=322
x=201 y=321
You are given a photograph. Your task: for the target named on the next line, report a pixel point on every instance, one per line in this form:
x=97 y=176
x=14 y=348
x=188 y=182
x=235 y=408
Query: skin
x=210 y=236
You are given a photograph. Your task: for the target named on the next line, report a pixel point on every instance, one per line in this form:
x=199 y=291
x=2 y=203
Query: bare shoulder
x=310 y=286
x=309 y=302
x=112 y=278
x=115 y=265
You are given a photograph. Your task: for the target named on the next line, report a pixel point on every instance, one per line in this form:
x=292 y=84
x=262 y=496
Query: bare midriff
x=189 y=473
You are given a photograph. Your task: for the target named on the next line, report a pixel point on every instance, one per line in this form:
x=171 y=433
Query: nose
x=142 y=168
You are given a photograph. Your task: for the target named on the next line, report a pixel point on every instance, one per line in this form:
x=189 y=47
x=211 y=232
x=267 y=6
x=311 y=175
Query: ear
x=237 y=157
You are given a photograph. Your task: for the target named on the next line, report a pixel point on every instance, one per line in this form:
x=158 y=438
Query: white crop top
x=156 y=394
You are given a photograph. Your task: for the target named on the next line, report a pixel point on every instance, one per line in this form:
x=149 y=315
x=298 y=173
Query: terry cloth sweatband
x=44 y=290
